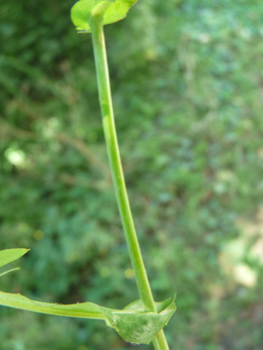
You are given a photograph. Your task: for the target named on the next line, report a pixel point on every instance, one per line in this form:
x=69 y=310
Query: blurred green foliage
x=187 y=88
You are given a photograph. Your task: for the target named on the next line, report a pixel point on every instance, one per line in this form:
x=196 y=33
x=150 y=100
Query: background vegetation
x=187 y=85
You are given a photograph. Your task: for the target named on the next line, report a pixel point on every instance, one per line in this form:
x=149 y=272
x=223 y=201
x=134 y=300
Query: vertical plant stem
x=117 y=172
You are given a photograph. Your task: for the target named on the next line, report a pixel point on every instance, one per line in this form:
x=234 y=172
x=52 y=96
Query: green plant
x=143 y=320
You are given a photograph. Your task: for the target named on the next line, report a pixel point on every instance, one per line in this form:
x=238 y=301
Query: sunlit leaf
x=82 y=11
x=133 y=324
x=9 y=255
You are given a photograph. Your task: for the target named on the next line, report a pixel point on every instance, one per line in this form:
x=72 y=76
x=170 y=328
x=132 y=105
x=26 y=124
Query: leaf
x=114 y=10
x=133 y=324
x=9 y=255
x=18 y=301
x=139 y=306
x=137 y=326
x=14 y=269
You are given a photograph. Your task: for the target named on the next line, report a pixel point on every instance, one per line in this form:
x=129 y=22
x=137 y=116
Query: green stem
x=117 y=172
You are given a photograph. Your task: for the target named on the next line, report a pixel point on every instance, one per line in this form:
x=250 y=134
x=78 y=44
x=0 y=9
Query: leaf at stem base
x=133 y=324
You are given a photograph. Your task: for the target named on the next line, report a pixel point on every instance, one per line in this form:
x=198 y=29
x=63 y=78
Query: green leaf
x=139 y=306
x=14 y=269
x=83 y=10
x=136 y=325
x=9 y=255
x=18 y=301
x=133 y=324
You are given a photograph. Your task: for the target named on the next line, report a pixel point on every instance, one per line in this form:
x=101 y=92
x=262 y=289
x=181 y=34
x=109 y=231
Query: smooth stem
x=117 y=172
x=115 y=163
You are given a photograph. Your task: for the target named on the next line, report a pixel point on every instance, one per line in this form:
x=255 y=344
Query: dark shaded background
x=187 y=86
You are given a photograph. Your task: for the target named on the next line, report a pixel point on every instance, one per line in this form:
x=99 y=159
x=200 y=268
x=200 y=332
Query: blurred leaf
x=9 y=255
x=4 y=273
